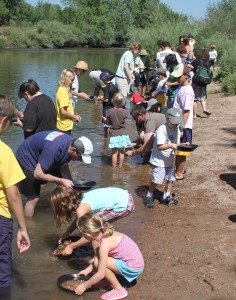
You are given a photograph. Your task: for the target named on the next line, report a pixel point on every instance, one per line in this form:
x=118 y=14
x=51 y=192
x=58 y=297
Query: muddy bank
x=190 y=249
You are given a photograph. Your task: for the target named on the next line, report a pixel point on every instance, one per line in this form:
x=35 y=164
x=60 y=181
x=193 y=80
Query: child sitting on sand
x=118 y=139
x=109 y=203
x=116 y=253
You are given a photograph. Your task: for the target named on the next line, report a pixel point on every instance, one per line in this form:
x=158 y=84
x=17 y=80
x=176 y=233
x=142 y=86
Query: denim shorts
x=129 y=273
x=6 y=236
x=160 y=174
x=187 y=136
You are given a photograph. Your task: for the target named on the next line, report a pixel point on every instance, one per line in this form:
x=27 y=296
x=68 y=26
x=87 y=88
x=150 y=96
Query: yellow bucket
x=183 y=153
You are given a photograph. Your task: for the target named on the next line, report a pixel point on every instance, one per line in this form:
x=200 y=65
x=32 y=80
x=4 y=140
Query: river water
x=35 y=272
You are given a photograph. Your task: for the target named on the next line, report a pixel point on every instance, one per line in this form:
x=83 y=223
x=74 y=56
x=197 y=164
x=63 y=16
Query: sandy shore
x=189 y=249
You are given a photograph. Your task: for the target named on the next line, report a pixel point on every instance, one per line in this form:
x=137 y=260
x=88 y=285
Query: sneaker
x=115 y=294
x=169 y=201
x=207 y=113
x=149 y=202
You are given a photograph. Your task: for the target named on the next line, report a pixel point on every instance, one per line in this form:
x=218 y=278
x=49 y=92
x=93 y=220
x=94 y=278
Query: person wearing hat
x=79 y=69
x=44 y=157
x=150 y=122
x=162 y=159
x=184 y=101
x=141 y=63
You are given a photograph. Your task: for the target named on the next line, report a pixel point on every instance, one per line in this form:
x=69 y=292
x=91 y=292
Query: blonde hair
x=91 y=225
x=64 y=203
x=65 y=78
x=117 y=99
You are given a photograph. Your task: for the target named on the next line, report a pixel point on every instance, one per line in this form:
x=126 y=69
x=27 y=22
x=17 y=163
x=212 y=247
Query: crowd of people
x=162 y=100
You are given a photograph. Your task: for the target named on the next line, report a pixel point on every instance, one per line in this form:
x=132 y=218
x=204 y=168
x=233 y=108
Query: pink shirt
x=128 y=251
x=184 y=101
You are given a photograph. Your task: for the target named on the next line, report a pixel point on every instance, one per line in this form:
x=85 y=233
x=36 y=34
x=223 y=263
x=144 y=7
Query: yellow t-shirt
x=63 y=100
x=10 y=174
x=161 y=98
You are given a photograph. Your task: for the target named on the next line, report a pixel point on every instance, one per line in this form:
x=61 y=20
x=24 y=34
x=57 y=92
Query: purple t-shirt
x=48 y=148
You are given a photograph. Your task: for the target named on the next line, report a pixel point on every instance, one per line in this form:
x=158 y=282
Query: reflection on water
x=36 y=272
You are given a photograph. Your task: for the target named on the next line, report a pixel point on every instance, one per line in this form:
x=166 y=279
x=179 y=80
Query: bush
x=229 y=84
x=2 y=43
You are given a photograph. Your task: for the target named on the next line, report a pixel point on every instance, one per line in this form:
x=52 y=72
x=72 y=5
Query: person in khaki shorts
x=79 y=69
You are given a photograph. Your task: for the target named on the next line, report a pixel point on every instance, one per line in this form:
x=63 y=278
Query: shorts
x=30 y=187
x=187 y=136
x=119 y=141
x=123 y=86
x=129 y=273
x=6 y=236
x=110 y=215
x=159 y=174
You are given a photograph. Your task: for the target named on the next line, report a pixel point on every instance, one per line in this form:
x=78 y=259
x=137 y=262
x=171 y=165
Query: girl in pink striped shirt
x=115 y=253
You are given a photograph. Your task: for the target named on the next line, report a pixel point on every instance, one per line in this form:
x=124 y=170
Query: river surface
x=35 y=272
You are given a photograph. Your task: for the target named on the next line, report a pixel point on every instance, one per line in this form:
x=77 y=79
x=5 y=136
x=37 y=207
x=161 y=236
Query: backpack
x=203 y=76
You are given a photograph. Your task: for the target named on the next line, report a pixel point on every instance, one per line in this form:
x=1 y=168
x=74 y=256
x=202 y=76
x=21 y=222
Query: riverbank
x=189 y=249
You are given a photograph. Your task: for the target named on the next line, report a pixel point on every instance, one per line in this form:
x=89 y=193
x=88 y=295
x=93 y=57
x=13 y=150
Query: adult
x=125 y=69
x=94 y=75
x=212 y=56
x=161 y=55
x=150 y=122
x=64 y=104
x=200 y=90
x=40 y=111
x=44 y=158
x=142 y=62
x=10 y=203
x=79 y=69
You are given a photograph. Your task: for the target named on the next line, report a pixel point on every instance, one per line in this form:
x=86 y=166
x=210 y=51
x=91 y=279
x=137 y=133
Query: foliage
x=103 y=23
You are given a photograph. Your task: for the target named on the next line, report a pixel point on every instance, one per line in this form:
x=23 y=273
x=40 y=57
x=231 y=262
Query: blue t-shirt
x=110 y=198
x=48 y=148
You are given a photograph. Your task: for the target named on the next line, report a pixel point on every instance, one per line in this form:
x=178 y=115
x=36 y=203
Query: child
x=109 y=90
x=162 y=158
x=212 y=56
x=10 y=202
x=109 y=203
x=160 y=91
x=115 y=253
x=136 y=97
x=116 y=120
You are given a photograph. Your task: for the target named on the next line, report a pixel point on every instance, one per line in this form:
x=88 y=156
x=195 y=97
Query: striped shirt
x=128 y=251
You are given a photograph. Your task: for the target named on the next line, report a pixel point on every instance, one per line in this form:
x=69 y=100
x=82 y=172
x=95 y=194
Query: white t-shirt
x=213 y=55
x=75 y=87
x=162 y=55
x=164 y=135
x=184 y=101
x=126 y=58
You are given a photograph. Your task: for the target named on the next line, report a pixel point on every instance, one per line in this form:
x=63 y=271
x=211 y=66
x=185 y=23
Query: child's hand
x=80 y=289
x=67 y=250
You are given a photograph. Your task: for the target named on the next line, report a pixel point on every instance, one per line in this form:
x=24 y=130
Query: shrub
x=2 y=43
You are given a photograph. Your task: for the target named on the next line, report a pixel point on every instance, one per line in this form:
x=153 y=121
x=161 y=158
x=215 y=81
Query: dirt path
x=190 y=249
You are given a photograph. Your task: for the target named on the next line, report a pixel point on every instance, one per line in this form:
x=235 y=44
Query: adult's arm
x=147 y=145
x=82 y=95
x=127 y=72
x=41 y=175
x=14 y=198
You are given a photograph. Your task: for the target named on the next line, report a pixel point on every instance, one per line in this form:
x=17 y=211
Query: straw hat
x=143 y=52
x=81 y=65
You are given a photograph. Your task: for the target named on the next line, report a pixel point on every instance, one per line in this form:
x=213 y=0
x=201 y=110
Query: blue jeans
x=6 y=236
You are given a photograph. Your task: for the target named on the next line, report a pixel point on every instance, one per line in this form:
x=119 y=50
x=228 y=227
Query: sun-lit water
x=36 y=272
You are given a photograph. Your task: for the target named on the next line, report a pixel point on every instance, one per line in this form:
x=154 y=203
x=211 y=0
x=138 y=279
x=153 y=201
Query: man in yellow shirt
x=10 y=203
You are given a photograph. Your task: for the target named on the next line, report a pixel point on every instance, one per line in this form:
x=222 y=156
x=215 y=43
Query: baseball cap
x=174 y=115
x=85 y=147
x=179 y=70
x=151 y=102
x=105 y=75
